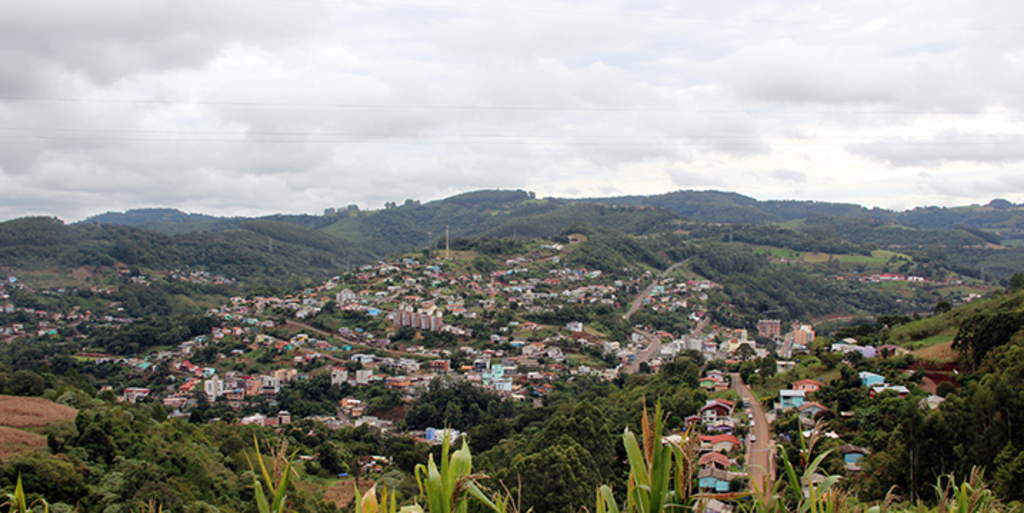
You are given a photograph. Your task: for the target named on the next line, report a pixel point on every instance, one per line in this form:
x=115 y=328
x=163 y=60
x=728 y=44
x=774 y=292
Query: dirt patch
x=394 y=414
x=940 y=352
x=13 y=441
x=81 y=274
x=28 y=412
x=342 y=493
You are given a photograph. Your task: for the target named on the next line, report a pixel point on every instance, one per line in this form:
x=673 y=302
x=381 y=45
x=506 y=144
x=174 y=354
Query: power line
x=660 y=15
x=541 y=108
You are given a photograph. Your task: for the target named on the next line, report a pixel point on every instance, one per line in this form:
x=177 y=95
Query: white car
x=753 y=438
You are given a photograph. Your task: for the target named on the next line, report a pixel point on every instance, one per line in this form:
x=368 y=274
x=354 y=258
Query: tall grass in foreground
x=282 y=471
x=445 y=489
x=16 y=502
x=661 y=473
x=970 y=496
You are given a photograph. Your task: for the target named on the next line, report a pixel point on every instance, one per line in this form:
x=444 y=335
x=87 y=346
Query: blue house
x=713 y=479
x=852 y=455
x=789 y=399
x=870 y=379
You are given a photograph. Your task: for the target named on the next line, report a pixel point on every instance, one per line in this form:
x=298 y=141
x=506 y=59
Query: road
x=652 y=344
x=635 y=305
x=759 y=454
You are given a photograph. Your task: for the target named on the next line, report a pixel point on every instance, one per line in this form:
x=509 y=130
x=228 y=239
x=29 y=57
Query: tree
x=26 y=383
x=745 y=352
x=1016 y=283
x=985 y=330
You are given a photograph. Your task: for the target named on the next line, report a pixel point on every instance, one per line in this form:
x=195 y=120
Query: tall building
x=339 y=375
x=769 y=328
x=803 y=334
x=213 y=387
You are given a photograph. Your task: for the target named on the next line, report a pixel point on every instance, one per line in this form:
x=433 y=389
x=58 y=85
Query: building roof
x=714 y=457
x=813 y=404
x=714 y=439
x=808 y=382
x=850 y=448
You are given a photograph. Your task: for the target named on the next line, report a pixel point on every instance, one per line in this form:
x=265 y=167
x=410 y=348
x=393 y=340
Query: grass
x=347 y=228
x=874 y=262
x=930 y=341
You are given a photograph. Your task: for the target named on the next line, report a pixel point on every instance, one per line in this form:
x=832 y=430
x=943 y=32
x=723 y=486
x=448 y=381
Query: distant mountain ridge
x=144 y=216
x=967 y=238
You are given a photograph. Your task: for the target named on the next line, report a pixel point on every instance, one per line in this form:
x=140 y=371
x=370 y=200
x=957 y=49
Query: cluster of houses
x=199 y=277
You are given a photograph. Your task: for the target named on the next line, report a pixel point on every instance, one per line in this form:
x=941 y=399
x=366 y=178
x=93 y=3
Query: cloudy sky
x=232 y=107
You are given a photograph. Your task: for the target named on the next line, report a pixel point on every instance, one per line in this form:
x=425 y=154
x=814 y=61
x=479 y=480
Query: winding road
x=759 y=454
x=652 y=343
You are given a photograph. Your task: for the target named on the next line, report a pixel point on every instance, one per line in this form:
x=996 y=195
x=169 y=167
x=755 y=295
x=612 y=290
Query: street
x=759 y=456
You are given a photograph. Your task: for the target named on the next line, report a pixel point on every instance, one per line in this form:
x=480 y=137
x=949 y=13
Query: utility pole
x=447 y=255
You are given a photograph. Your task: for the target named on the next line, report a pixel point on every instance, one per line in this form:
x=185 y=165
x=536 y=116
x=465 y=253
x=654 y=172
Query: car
x=753 y=438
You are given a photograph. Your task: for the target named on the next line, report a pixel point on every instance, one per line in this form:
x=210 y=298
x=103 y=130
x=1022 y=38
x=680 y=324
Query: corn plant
x=282 y=472
x=447 y=488
x=368 y=503
x=17 y=503
x=660 y=474
x=972 y=496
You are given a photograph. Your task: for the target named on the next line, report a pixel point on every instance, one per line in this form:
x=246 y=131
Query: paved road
x=652 y=343
x=759 y=454
x=647 y=292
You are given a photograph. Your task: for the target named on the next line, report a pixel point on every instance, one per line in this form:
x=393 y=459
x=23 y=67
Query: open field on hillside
x=342 y=493
x=13 y=441
x=939 y=352
x=29 y=412
x=942 y=338
x=873 y=262
x=347 y=228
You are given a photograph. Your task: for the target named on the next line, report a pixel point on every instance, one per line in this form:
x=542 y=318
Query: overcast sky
x=252 y=107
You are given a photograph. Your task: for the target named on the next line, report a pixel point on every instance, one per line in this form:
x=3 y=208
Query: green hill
x=260 y=250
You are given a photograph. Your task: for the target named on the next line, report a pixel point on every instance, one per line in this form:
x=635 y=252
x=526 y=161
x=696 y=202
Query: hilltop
x=965 y=239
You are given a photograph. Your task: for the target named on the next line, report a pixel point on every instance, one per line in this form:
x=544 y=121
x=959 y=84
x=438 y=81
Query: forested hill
x=262 y=250
x=411 y=224
x=965 y=240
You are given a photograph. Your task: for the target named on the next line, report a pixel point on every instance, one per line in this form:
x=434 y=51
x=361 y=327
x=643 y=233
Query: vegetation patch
x=31 y=412
x=14 y=441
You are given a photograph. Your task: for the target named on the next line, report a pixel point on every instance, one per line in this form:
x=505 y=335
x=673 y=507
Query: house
x=714 y=460
x=931 y=402
x=714 y=480
x=719 y=443
x=807 y=385
x=808 y=411
x=852 y=455
x=132 y=395
x=708 y=383
x=692 y=420
x=715 y=373
x=893 y=350
x=716 y=408
x=789 y=399
x=899 y=389
x=339 y=375
x=870 y=379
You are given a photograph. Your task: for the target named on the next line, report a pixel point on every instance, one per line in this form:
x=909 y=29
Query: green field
x=941 y=338
x=347 y=228
x=875 y=261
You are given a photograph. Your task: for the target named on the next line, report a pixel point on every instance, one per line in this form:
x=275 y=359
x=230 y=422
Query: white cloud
x=246 y=108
